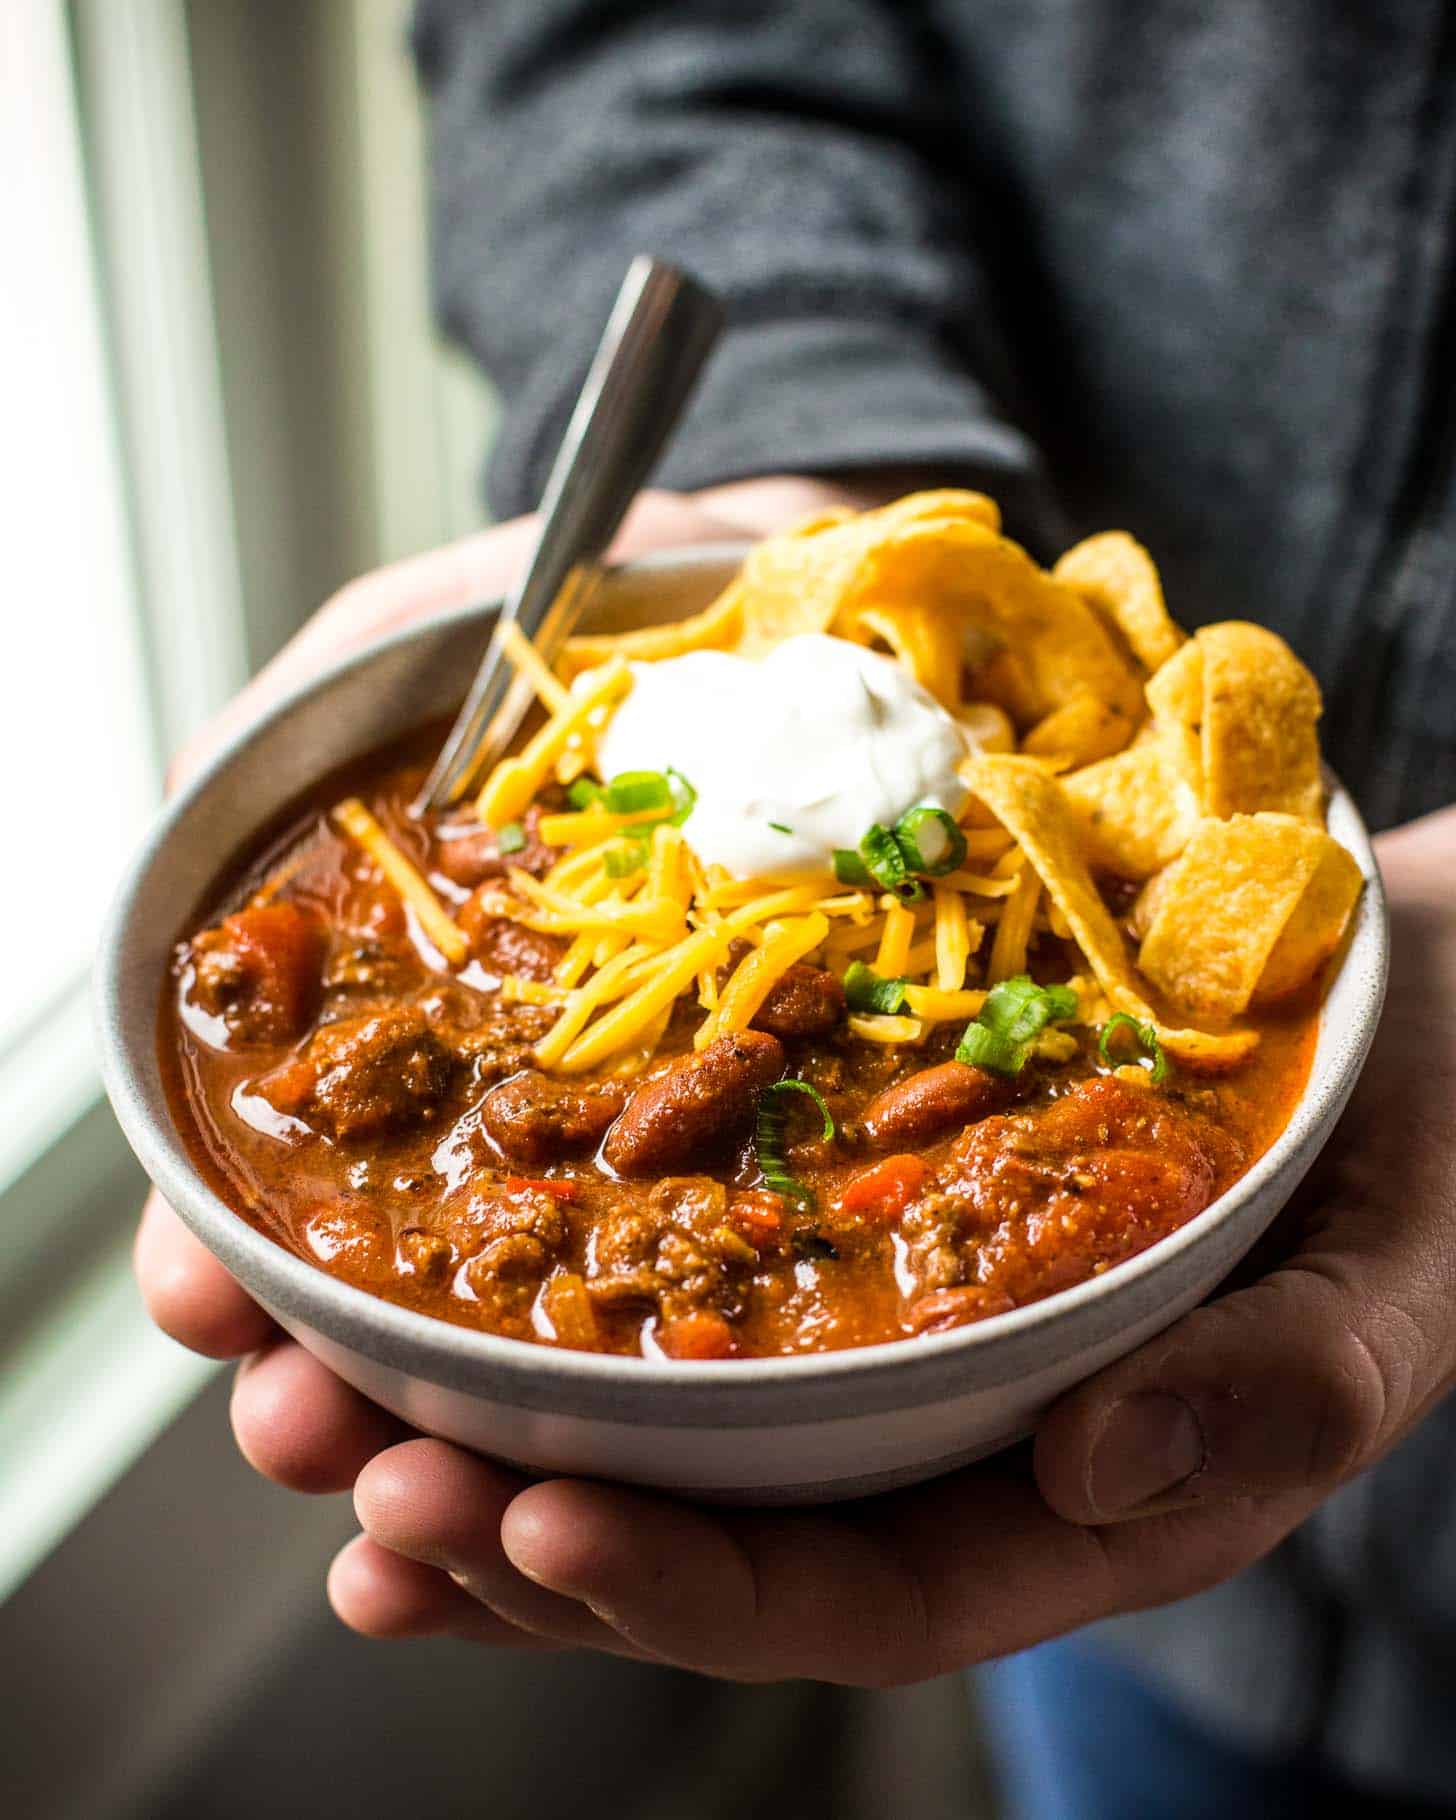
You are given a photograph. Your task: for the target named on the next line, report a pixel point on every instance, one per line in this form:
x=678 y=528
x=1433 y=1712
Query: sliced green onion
x=638 y=793
x=1020 y=1010
x=1146 y=1038
x=885 y=863
x=983 y=1048
x=776 y=1088
x=1014 y=1015
x=625 y=858
x=779 y=828
x=631 y=791
x=768 y=1139
x=511 y=838
x=930 y=841
x=924 y=841
x=684 y=796
x=849 y=868
x=867 y=990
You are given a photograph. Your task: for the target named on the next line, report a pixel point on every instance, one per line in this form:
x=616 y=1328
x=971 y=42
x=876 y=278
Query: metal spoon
x=662 y=328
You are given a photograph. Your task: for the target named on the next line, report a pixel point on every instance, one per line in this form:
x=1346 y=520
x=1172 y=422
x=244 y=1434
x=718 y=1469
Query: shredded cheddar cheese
x=875 y=1028
x=952 y=938
x=405 y=876
x=1013 y=932
x=636 y=1012
x=895 y=940
x=646 y=923
x=937 y=1007
x=555 y=696
x=640 y=942
x=515 y=782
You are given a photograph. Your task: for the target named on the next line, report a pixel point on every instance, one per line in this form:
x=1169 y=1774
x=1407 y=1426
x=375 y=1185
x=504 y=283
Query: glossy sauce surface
x=377 y=1112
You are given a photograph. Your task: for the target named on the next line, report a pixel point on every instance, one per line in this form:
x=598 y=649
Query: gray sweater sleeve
x=790 y=155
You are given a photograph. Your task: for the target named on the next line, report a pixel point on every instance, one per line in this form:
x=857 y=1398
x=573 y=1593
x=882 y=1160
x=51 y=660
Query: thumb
x=1290 y=1385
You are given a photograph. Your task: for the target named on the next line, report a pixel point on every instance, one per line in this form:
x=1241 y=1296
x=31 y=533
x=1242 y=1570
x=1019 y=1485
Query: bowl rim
x=531 y=1375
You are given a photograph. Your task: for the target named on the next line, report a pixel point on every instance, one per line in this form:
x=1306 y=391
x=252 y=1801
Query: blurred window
x=222 y=396
x=76 y=731
x=121 y=627
x=122 y=619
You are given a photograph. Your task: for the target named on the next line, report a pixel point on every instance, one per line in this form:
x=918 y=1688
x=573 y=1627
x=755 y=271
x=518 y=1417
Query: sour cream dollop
x=821 y=738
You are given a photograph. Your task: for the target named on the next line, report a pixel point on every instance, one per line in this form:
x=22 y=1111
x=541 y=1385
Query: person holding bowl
x=1021 y=250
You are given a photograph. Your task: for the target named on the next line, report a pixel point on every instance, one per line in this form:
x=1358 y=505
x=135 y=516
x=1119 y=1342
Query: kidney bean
x=696 y=1107
x=929 y=1104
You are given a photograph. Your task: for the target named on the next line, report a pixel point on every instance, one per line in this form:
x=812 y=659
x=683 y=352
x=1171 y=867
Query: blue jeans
x=1075 y=1735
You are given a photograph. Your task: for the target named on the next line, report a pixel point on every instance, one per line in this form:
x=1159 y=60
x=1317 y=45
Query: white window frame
x=158 y=397
x=85 y=1381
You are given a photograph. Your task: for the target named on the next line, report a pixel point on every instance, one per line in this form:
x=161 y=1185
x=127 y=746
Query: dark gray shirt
x=1181 y=266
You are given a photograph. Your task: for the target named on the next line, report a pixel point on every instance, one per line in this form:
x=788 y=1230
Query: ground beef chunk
x=511 y=1235
x=1109 y=1166
x=370 y=968
x=537 y=1120
x=491 y=1038
x=933 y=1230
x=679 y=1251
x=363 y=1076
x=372 y=954
x=804 y=1001
x=350 y=1237
x=423 y=1255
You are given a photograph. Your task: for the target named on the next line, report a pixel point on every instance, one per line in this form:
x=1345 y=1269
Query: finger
x=888 y=1592
x=741 y=1594
x=299 y=1425
x=441 y=1506
x=768 y=502
x=1000 y=1571
x=478 y=567
x=188 y=1293
x=657 y=520
x=380 y=1594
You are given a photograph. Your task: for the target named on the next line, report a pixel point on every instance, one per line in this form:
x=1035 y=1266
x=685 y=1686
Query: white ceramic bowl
x=761 y=1430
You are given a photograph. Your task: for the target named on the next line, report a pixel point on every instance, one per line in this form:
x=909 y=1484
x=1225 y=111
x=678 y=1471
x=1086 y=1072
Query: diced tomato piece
x=264 y=965
x=697 y=1336
x=885 y=1191
x=760 y=1212
x=527 y=1184
x=288 y=1088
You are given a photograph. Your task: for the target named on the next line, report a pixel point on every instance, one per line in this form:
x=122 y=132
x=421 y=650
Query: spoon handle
x=661 y=330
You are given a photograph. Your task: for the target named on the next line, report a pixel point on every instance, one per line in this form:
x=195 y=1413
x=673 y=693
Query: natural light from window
x=76 y=743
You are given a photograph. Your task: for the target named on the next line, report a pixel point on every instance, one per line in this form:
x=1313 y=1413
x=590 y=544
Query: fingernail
x=1149 y=1443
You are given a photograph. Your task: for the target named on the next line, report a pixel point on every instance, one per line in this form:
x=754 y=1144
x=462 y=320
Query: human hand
x=1168 y=1472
